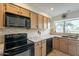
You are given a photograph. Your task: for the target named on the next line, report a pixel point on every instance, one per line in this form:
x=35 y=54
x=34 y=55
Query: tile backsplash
x=30 y=32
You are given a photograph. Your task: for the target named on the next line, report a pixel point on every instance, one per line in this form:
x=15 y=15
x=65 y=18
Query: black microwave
x=13 y=20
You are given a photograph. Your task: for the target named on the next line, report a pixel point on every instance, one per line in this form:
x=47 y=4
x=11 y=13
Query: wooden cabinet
x=2 y=15
x=34 y=20
x=63 y=45
x=16 y=10
x=1 y=45
x=69 y=46
x=76 y=43
x=24 y=12
x=12 y=8
x=72 y=49
x=40 y=22
x=56 y=43
x=45 y=22
x=37 y=21
x=77 y=50
x=60 y=44
x=38 y=49
x=44 y=48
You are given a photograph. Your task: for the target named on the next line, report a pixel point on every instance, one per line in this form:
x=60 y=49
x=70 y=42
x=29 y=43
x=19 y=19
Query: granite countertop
x=44 y=37
x=40 y=38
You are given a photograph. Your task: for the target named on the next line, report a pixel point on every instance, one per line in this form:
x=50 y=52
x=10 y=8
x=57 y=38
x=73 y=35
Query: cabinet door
x=38 y=49
x=40 y=22
x=24 y=12
x=56 y=43
x=1 y=44
x=72 y=49
x=45 y=22
x=34 y=20
x=44 y=48
x=12 y=8
x=77 y=50
x=63 y=45
x=1 y=15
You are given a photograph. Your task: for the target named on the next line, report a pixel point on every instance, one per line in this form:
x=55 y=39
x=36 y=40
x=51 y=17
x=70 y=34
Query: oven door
x=28 y=52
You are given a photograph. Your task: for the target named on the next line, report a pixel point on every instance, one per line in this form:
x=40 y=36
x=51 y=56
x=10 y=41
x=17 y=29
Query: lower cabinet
x=63 y=45
x=44 y=48
x=77 y=50
x=40 y=48
x=69 y=46
x=72 y=50
x=56 y=43
x=1 y=45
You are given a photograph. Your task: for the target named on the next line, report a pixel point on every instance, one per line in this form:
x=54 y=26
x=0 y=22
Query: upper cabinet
x=2 y=10
x=16 y=9
x=37 y=21
x=40 y=22
x=24 y=12
x=45 y=22
x=34 y=20
x=12 y=8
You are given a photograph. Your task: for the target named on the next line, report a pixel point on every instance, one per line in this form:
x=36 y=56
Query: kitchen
x=26 y=31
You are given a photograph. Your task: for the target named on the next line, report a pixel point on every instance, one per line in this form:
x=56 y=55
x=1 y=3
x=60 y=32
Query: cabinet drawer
x=77 y=42
x=38 y=43
x=44 y=41
x=73 y=42
x=12 y=8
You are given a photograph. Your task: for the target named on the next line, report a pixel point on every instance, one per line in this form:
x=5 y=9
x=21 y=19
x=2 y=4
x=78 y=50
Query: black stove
x=18 y=43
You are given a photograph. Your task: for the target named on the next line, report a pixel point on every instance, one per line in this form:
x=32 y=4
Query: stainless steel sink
x=72 y=37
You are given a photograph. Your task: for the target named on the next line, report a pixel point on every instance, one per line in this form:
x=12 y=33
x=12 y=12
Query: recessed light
x=51 y=9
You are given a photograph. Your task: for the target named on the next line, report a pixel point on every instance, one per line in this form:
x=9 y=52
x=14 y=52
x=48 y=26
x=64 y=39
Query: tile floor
x=57 y=53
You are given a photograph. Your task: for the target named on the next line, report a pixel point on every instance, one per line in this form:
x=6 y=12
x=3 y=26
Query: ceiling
x=59 y=8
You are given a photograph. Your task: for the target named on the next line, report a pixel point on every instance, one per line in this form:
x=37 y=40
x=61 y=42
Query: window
x=59 y=26
x=72 y=26
x=67 y=26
